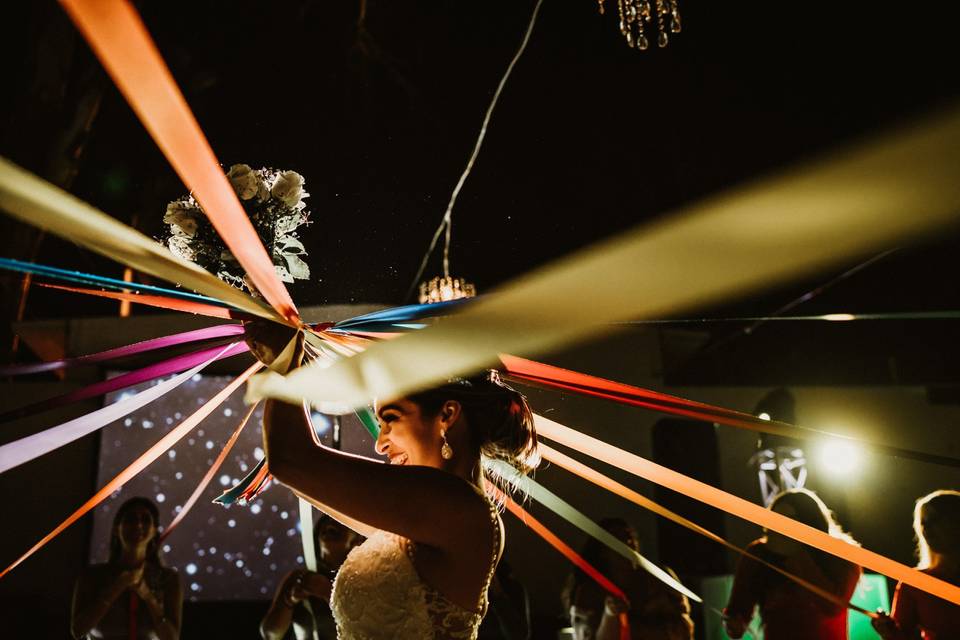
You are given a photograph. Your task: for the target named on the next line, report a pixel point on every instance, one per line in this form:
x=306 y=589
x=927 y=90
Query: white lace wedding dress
x=377 y=595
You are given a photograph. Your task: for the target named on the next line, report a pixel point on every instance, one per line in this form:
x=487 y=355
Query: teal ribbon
x=569 y=513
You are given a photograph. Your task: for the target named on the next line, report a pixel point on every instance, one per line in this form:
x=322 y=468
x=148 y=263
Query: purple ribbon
x=166 y=367
x=219 y=331
x=25 y=449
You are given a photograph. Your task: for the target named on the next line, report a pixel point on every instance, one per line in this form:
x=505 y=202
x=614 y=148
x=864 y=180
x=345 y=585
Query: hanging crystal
x=634 y=15
x=443 y=289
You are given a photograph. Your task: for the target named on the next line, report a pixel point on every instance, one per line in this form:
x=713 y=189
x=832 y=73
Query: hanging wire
x=446 y=221
x=806 y=297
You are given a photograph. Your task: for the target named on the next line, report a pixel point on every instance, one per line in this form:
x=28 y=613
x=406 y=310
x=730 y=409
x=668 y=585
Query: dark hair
x=500 y=420
x=153 y=549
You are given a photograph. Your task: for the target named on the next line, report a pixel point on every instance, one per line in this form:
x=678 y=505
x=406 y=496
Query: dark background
x=589 y=138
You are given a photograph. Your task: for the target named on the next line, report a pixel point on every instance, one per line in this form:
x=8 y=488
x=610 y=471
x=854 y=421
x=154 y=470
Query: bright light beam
x=839 y=457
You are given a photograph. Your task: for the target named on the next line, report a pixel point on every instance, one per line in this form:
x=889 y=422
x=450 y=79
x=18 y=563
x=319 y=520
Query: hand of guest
x=734 y=626
x=886 y=626
x=317 y=585
x=293 y=590
x=129 y=577
x=142 y=590
x=267 y=340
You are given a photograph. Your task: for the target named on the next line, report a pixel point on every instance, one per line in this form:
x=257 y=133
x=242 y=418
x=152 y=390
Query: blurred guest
x=133 y=595
x=917 y=614
x=508 y=614
x=655 y=611
x=333 y=541
x=787 y=610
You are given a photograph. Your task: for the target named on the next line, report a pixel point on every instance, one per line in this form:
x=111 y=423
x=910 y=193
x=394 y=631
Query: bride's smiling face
x=406 y=435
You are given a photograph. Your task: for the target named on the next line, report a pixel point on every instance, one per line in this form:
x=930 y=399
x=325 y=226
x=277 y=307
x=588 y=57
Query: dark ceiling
x=590 y=138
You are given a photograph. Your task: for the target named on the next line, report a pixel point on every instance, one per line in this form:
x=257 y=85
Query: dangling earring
x=446 y=452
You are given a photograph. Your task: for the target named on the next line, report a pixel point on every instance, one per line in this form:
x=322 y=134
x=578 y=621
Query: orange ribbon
x=121 y=41
x=163 y=302
x=142 y=462
x=591 y=475
x=743 y=508
x=568 y=553
x=212 y=471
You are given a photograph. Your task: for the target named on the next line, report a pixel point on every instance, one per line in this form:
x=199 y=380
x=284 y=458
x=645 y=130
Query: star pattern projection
x=240 y=552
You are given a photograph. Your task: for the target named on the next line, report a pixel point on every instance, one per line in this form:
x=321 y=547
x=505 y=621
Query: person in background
x=915 y=613
x=655 y=612
x=787 y=610
x=133 y=595
x=508 y=616
x=333 y=541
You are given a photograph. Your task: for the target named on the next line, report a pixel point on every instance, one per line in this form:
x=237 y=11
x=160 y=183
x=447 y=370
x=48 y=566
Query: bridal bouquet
x=272 y=199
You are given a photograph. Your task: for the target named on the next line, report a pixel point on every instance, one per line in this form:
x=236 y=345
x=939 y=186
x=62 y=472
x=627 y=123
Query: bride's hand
x=267 y=340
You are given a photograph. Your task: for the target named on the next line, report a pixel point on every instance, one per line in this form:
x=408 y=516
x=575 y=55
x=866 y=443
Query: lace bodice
x=378 y=594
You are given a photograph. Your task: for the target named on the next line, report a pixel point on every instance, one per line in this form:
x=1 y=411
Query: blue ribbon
x=401 y=315
x=103 y=281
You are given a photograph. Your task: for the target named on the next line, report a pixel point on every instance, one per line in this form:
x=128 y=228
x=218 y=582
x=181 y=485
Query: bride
x=433 y=537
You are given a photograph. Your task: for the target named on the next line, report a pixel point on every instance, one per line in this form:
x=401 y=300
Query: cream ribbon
x=782 y=227
x=41 y=204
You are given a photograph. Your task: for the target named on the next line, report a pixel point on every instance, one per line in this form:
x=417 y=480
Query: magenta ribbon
x=166 y=367
x=219 y=331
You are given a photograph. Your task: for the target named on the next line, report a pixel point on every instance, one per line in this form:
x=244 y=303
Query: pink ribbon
x=173 y=365
x=219 y=331
x=25 y=449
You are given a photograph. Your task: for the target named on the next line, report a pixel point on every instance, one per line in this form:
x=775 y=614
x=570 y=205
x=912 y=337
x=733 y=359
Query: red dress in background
x=789 y=611
x=915 y=610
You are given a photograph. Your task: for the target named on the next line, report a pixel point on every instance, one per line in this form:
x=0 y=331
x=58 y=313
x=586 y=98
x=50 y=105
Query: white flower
x=263 y=194
x=180 y=246
x=181 y=218
x=187 y=227
x=288 y=188
x=244 y=180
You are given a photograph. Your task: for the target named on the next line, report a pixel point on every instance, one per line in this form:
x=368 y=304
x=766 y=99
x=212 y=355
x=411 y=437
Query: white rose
x=263 y=193
x=180 y=246
x=244 y=180
x=288 y=188
x=176 y=212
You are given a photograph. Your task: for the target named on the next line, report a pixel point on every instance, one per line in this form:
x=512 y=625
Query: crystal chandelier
x=636 y=17
x=445 y=289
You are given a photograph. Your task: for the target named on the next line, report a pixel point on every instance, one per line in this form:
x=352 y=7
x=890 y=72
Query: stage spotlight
x=839 y=457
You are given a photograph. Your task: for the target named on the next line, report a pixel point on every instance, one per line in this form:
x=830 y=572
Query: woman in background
x=333 y=542
x=917 y=614
x=133 y=595
x=655 y=612
x=787 y=610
